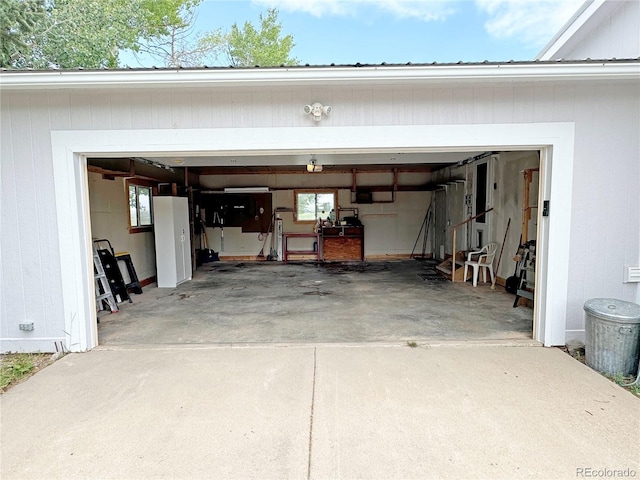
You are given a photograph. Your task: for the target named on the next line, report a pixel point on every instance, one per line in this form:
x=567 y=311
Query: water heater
x=278 y=233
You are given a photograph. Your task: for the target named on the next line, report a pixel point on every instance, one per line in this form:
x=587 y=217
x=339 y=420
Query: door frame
x=71 y=148
x=486 y=226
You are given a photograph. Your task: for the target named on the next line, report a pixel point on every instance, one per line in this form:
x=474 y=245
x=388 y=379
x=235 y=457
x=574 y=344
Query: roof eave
x=372 y=75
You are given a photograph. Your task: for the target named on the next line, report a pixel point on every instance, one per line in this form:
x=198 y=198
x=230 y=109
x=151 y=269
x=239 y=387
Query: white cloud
x=533 y=21
x=427 y=10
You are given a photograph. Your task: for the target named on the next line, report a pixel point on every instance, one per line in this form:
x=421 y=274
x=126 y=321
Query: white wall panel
x=523 y=104
x=121 y=116
x=201 y=109
x=142 y=112
x=80 y=111
x=181 y=115
x=10 y=298
x=483 y=105
x=101 y=103
x=544 y=100
x=26 y=267
x=617 y=36
x=161 y=110
x=401 y=106
x=502 y=107
x=441 y=106
x=463 y=106
x=43 y=223
x=605 y=226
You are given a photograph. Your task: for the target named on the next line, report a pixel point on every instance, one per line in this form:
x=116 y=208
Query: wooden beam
x=116 y=173
x=372 y=188
x=301 y=170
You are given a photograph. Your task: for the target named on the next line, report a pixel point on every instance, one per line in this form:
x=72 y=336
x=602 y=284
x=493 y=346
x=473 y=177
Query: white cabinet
x=173 y=245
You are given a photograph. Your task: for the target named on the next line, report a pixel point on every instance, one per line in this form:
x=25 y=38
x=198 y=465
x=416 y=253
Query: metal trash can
x=612 y=336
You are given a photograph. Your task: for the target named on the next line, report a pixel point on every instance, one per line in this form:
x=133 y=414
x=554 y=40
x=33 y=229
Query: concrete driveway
x=322 y=412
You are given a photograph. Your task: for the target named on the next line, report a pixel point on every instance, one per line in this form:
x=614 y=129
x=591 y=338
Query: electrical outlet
x=26 y=327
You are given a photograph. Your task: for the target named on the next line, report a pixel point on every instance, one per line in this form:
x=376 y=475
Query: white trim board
x=439 y=74
x=71 y=148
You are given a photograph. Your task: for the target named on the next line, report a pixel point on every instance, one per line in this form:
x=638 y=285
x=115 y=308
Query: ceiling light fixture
x=313 y=166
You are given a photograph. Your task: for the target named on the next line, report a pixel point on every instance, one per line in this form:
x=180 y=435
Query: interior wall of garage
x=390 y=228
x=110 y=220
x=605 y=225
x=507 y=199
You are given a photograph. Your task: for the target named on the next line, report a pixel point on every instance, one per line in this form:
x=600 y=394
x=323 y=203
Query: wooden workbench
x=342 y=243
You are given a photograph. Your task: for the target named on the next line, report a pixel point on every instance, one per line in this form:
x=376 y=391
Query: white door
x=440 y=225
x=482 y=191
x=183 y=244
x=173 y=245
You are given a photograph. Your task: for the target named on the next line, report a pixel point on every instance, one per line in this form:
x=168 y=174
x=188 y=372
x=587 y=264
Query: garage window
x=140 y=202
x=310 y=205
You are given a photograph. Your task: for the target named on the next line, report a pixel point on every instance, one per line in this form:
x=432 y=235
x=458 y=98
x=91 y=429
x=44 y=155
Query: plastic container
x=612 y=336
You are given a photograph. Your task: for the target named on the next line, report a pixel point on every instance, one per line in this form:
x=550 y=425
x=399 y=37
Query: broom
x=504 y=240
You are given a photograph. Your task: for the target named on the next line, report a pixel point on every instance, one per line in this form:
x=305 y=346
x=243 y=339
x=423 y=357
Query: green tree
x=173 y=42
x=250 y=47
x=18 y=20
x=88 y=33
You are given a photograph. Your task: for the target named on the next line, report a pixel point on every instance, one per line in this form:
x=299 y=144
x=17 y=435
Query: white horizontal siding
x=605 y=226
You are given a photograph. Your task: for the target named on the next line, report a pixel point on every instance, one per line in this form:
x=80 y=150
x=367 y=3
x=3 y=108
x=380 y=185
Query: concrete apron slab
x=217 y=413
x=328 y=411
x=468 y=413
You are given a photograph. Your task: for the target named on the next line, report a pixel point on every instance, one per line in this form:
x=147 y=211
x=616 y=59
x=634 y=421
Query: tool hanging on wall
x=511 y=284
x=425 y=225
x=218 y=221
x=273 y=254
x=206 y=255
x=504 y=240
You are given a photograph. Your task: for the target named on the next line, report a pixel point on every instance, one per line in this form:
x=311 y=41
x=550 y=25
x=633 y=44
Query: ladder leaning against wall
x=104 y=296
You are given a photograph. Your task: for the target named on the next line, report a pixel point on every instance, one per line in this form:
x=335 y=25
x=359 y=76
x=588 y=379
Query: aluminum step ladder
x=103 y=290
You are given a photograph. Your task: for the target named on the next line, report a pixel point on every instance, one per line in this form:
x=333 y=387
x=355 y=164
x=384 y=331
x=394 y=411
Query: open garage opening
x=71 y=149
x=379 y=272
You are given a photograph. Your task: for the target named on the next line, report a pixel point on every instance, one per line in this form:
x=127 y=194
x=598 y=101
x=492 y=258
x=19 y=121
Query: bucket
x=612 y=343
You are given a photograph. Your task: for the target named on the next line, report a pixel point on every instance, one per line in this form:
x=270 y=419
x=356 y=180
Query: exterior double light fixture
x=317 y=110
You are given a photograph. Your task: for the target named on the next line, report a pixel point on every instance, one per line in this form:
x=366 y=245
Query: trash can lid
x=613 y=309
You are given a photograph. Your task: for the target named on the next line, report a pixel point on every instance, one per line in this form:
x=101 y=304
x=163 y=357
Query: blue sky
x=400 y=31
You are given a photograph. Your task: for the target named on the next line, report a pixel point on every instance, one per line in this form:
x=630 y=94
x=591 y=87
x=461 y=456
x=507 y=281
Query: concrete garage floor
x=275 y=303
